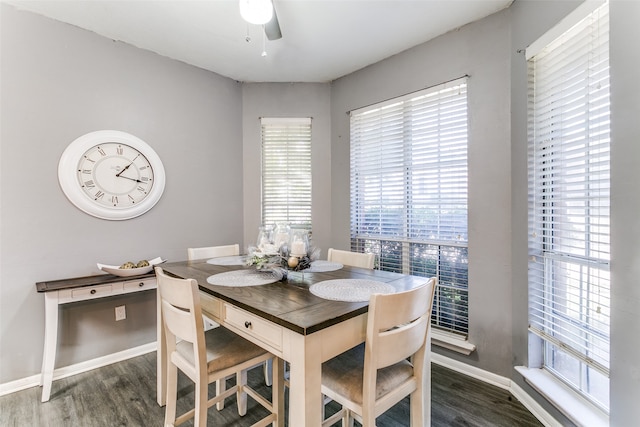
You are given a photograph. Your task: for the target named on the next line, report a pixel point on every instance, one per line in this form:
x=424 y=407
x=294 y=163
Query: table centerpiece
x=288 y=250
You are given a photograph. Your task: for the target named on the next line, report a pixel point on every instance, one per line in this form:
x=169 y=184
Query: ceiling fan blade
x=272 y=28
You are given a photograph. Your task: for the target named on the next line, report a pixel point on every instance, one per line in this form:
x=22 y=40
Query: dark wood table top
x=289 y=303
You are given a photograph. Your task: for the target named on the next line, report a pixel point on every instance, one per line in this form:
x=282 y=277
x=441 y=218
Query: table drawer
x=211 y=306
x=140 y=285
x=98 y=291
x=254 y=326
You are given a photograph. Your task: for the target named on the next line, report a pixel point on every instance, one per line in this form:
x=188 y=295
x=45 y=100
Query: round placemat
x=350 y=290
x=239 y=278
x=228 y=260
x=321 y=266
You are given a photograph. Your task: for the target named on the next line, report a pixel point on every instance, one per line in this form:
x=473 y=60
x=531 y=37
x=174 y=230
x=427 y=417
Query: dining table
x=296 y=318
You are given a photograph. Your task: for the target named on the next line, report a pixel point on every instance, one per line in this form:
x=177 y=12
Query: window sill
x=451 y=342
x=576 y=408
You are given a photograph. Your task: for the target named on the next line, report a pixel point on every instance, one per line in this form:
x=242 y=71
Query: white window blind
x=409 y=191
x=569 y=247
x=286 y=171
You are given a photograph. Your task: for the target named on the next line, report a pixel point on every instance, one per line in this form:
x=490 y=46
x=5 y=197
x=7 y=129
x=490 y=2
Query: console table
x=67 y=291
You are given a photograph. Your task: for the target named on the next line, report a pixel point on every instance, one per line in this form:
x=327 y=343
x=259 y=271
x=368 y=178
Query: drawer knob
x=93 y=291
x=247 y=324
x=141 y=284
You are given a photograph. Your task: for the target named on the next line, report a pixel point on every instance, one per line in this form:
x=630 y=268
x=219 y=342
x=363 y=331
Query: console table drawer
x=254 y=327
x=88 y=292
x=140 y=285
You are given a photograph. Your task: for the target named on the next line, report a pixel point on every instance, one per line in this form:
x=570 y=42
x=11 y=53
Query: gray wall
x=288 y=100
x=480 y=50
x=60 y=82
x=625 y=206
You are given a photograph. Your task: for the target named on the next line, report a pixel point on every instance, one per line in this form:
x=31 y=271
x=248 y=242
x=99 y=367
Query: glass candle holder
x=299 y=242
x=281 y=235
x=265 y=237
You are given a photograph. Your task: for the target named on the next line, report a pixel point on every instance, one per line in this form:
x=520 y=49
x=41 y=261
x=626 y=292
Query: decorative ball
x=127 y=265
x=292 y=262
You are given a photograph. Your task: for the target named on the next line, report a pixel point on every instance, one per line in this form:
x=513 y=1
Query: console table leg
x=161 y=368
x=50 y=342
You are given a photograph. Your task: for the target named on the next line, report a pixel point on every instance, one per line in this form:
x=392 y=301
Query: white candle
x=297 y=248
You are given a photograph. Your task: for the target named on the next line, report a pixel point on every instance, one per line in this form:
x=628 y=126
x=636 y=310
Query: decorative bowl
x=128 y=272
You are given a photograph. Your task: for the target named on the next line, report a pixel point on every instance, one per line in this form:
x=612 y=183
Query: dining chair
x=354 y=259
x=392 y=363
x=204 y=357
x=213 y=251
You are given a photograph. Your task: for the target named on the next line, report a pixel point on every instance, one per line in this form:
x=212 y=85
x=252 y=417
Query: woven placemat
x=350 y=290
x=239 y=278
x=321 y=266
x=228 y=260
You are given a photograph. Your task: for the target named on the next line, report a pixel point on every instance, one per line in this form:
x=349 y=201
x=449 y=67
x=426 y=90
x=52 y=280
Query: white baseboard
x=543 y=416
x=67 y=371
x=471 y=371
x=499 y=381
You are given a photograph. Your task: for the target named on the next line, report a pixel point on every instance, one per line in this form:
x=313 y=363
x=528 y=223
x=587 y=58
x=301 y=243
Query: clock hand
x=124 y=169
x=127 y=167
x=126 y=177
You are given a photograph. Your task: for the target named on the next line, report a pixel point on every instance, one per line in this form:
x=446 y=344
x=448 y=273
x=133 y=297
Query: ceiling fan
x=262 y=12
x=272 y=28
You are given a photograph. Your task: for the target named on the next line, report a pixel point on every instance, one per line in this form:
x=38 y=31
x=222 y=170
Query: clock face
x=115 y=175
x=111 y=175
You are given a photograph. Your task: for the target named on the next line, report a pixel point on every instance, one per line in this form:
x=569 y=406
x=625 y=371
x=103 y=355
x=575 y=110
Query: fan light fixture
x=257 y=12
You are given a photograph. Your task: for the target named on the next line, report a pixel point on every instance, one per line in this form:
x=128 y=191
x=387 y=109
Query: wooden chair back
x=397 y=325
x=182 y=315
x=353 y=259
x=213 y=251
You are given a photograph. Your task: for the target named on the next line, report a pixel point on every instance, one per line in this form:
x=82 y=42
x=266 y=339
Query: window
x=286 y=171
x=569 y=248
x=409 y=192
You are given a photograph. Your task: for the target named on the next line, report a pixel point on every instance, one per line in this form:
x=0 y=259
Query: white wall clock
x=111 y=175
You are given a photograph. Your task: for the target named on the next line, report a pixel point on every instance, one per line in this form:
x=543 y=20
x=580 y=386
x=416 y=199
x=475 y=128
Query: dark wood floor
x=123 y=394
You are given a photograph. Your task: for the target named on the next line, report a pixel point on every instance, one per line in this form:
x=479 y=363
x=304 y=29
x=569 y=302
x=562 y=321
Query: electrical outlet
x=121 y=313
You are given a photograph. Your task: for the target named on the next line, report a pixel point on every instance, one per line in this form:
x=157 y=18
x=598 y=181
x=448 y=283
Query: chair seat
x=344 y=375
x=224 y=350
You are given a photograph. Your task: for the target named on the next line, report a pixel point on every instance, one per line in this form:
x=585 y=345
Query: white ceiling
x=321 y=39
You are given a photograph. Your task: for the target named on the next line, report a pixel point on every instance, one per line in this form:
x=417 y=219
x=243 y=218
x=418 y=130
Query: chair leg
x=241 y=381
x=348 y=419
x=172 y=395
x=201 y=398
x=268 y=372
x=221 y=386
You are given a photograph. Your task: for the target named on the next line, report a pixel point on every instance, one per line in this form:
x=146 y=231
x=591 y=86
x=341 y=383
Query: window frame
x=558 y=150
x=406 y=148
x=286 y=141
